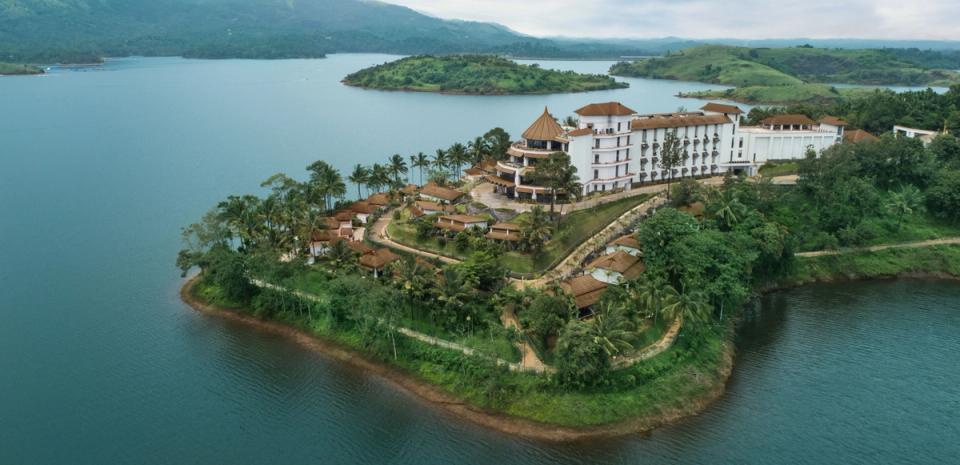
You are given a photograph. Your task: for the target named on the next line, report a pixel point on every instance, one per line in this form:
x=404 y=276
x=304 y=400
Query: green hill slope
x=475 y=74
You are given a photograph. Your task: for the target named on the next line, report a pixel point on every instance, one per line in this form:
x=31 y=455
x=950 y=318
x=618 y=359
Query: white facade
x=913 y=133
x=602 y=150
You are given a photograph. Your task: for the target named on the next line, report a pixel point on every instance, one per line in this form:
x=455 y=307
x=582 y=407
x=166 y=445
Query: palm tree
x=557 y=174
x=647 y=294
x=412 y=278
x=379 y=177
x=536 y=229
x=340 y=255
x=458 y=156
x=360 y=176
x=612 y=330
x=478 y=149
x=571 y=121
x=690 y=306
x=397 y=166
x=421 y=161
x=326 y=182
x=904 y=202
x=453 y=290
x=440 y=160
x=730 y=211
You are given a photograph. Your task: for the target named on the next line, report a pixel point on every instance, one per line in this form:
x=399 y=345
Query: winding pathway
x=876 y=248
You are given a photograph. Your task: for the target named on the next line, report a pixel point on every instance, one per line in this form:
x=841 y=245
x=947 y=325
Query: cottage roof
x=580 y=132
x=677 y=121
x=410 y=189
x=463 y=219
x=432 y=206
x=379 y=199
x=721 y=108
x=363 y=207
x=858 y=135
x=378 y=259
x=544 y=128
x=605 y=109
x=787 y=120
x=618 y=261
x=628 y=240
x=345 y=215
x=360 y=247
x=506 y=226
x=433 y=190
x=585 y=290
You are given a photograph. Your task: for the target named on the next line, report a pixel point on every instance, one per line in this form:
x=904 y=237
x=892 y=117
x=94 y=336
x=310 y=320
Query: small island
x=795 y=75
x=475 y=75
x=12 y=69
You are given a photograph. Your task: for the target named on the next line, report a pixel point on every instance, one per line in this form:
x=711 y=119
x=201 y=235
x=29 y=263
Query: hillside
x=475 y=74
x=83 y=31
x=798 y=74
x=9 y=69
x=782 y=95
x=739 y=66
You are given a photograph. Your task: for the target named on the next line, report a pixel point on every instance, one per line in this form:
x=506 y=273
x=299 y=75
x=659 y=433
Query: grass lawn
x=574 y=229
x=779 y=168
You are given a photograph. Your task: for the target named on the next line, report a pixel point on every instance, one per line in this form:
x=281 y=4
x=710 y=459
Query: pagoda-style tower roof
x=544 y=128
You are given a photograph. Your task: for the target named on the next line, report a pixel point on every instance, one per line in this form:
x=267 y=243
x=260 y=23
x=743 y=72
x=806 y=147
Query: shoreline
x=451 y=405
x=472 y=94
x=529 y=429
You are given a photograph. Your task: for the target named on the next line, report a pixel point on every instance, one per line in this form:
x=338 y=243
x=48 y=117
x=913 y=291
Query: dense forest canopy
x=475 y=74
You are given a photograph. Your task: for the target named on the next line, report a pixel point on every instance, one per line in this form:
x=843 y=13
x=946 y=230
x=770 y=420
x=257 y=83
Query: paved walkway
x=652 y=350
x=529 y=358
x=875 y=248
x=607 y=234
x=379 y=235
x=414 y=334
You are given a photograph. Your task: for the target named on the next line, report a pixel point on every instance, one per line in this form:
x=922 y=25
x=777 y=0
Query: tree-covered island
x=795 y=75
x=11 y=69
x=475 y=74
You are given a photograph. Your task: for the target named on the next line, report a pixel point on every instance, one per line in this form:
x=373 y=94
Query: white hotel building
x=614 y=148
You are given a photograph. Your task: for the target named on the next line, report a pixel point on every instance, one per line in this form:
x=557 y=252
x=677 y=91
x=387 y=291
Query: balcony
x=509 y=167
x=696 y=142
x=624 y=161
x=520 y=149
x=686 y=141
x=644 y=145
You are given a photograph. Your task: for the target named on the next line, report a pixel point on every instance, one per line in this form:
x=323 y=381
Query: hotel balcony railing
x=686 y=141
x=696 y=142
x=715 y=153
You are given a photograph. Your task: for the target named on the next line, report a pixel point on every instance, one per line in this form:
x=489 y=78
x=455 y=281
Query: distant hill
x=475 y=74
x=740 y=66
x=46 y=31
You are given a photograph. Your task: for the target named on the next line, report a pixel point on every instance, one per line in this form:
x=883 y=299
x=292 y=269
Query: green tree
x=671 y=156
x=903 y=202
x=943 y=196
x=612 y=330
x=535 y=230
x=478 y=149
x=498 y=142
x=360 y=176
x=457 y=154
x=580 y=361
x=557 y=174
x=397 y=167
x=546 y=314
x=420 y=161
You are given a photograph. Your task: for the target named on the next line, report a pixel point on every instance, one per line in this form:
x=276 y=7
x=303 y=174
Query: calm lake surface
x=101 y=363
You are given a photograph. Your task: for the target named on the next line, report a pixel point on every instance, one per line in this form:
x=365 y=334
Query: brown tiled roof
x=502 y=235
x=344 y=215
x=360 y=247
x=457 y=222
x=677 y=121
x=858 y=135
x=433 y=190
x=363 y=207
x=605 y=109
x=580 y=132
x=380 y=199
x=787 y=120
x=531 y=189
x=544 y=128
x=432 y=206
x=635 y=271
x=322 y=235
x=410 y=189
x=498 y=180
x=378 y=259
x=721 y=108
x=618 y=261
x=416 y=212
x=833 y=121
x=329 y=223
x=585 y=290
x=506 y=226
x=627 y=241
x=474 y=172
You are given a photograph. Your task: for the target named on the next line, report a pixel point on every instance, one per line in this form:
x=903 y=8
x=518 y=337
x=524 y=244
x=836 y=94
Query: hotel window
x=596 y=174
x=596 y=144
x=596 y=158
x=644 y=135
x=618 y=129
x=628 y=140
x=618 y=156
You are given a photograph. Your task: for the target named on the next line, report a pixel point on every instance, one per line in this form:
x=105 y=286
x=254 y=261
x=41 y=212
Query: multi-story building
x=613 y=148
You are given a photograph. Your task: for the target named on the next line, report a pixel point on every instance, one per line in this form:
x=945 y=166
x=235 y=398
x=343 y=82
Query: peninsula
x=521 y=296
x=475 y=74
x=795 y=75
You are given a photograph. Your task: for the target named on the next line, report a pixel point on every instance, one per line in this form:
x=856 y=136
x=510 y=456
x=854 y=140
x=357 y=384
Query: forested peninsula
x=11 y=69
x=475 y=74
x=795 y=75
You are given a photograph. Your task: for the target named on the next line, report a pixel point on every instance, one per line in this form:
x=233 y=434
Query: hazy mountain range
x=47 y=31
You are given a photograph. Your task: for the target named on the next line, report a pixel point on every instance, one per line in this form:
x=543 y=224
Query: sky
x=700 y=19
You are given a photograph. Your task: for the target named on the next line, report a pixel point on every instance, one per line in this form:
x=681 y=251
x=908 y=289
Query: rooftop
x=618 y=261
x=858 y=135
x=585 y=290
x=378 y=259
x=433 y=190
x=544 y=128
x=788 y=120
x=605 y=109
x=677 y=121
x=721 y=108
x=832 y=120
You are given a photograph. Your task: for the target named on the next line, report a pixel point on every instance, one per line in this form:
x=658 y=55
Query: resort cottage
x=627 y=243
x=506 y=232
x=458 y=223
x=436 y=193
x=614 y=268
x=377 y=261
x=586 y=292
x=423 y=208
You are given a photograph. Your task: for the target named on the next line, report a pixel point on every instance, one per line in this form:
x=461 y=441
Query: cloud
x=748 y=19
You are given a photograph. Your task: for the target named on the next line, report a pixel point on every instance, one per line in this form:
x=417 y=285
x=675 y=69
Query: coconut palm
x=397 y=166
x=730 y=211
x=457 y=154
x=420 y=161
x=379 y=177
x=359 y=176
x=478 y=149
x=612 y=330
x=440 y=160
x=904 y=202
x=535 y=231
x=412 y=278
x=691 y=306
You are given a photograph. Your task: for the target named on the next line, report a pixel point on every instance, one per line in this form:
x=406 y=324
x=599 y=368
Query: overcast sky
x=881 y=19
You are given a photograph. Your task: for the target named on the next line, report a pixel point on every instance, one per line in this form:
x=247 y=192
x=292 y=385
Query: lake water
x=100 y=363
